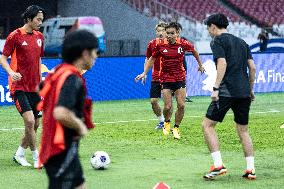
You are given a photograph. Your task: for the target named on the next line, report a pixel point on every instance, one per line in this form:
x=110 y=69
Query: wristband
x=215 y=89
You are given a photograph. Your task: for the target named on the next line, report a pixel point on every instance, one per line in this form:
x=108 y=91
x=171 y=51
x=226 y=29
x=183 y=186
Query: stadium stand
x=191 y=15
x=265 y=12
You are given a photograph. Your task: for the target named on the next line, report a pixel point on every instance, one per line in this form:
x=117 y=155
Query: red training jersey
x=172 y=55
x=157 y=64
x=25 y=50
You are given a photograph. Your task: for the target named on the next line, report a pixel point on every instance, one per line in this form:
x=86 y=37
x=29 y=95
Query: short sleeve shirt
x=236 y=52
x=25 y=50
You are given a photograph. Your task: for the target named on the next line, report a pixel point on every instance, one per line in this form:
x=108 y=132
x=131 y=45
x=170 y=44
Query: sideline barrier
x=112 y=78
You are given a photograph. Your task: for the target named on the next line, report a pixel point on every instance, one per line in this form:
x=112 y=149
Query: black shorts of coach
x=71 y=178
x=155 y=91
x=240 y=107
x=27 y=101
x=174 y=85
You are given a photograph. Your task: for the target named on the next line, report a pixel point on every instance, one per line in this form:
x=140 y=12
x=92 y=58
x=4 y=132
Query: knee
x=167 y=107
x=154 y=101
x=180 y=106
x=208 y=124
x=30 y=122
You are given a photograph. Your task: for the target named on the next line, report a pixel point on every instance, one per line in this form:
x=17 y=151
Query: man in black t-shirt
x=65 y=119
x=233 y=89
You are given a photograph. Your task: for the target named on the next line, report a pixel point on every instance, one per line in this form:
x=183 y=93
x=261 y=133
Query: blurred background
x=129 y=24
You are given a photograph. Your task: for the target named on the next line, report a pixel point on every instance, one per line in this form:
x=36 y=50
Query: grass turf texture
x=142 y=156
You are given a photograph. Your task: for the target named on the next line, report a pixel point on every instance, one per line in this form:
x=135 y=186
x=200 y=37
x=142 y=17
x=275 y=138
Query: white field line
x=145 y=120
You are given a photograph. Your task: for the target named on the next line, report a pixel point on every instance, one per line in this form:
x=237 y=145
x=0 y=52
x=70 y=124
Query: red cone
x=161 y=185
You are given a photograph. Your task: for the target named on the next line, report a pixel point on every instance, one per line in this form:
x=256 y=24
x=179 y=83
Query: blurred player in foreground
x=67 y=111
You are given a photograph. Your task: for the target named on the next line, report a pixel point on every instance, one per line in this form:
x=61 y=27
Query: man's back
x=236 y=52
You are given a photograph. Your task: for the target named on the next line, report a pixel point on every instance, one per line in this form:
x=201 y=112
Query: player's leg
x=34 y=99
x=241 y=112
x=155 y=94
x=167 y=97
x=215 y=113
x=180 y=98
x=23 y=106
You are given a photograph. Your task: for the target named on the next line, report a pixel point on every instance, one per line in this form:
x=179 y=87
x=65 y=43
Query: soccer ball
x=100 y=160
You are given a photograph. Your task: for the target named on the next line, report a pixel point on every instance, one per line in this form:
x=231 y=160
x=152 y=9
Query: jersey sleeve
x=156 y=51
x=69 y=92
x=187 y=46
x=9 y=46
x=149 y=51
x=217 y=49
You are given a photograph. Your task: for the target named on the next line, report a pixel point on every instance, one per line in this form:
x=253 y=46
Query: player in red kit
x=172 y=74
x=155 y=91
x=25 y=46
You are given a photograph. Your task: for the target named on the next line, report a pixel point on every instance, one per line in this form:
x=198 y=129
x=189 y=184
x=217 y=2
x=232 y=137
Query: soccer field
x=142 y=156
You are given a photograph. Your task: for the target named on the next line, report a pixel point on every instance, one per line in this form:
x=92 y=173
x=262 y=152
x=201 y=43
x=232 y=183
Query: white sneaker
x=21 y=160
x=36 y=165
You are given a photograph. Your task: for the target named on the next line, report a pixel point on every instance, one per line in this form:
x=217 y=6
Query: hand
x=15 y=76
x=201 y=69
x=215 y=96
x=252 y=96
x=141 y=76
x=83 y=130
x=143 y=81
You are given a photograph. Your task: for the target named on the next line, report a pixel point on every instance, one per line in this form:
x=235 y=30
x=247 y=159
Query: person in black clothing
x=263 y=40
x=233 y=89
x=65 y=120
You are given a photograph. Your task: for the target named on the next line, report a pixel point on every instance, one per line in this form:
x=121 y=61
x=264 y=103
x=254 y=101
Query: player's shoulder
x=38 y=33
x=156 y=41
x=14 y=34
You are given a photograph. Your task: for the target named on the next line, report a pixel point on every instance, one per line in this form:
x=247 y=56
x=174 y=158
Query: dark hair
x=220 y=20
x=173 y=25
x=32 y=12
x=161 y=24
x=76 y=42
x=179 y=25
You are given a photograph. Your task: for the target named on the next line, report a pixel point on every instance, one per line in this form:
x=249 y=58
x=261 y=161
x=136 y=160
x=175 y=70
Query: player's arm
x=221 y=70
x=4 y=63
x=68 y=119
x=147 y=67
x=252 y=70
x=63 y=111
x=219 y=57
x=143 y=81
x=189 y=47
x=197 y=57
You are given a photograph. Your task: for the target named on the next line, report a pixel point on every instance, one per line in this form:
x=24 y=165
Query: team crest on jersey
x=180 y=50
x=39 y=42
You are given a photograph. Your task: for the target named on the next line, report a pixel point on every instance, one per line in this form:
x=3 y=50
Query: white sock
x=250 y=163
x=217 y=159
x=35 y=155
x=161 y=118
x=20 y=151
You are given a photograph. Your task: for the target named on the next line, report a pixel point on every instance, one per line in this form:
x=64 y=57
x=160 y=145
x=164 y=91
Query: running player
x=172 y=74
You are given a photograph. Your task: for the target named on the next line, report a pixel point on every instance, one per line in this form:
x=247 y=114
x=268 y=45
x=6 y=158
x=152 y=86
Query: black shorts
x=27 y=101
x=71 y=178
x=174 y=85
x=240 y=106
x=155 y=91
